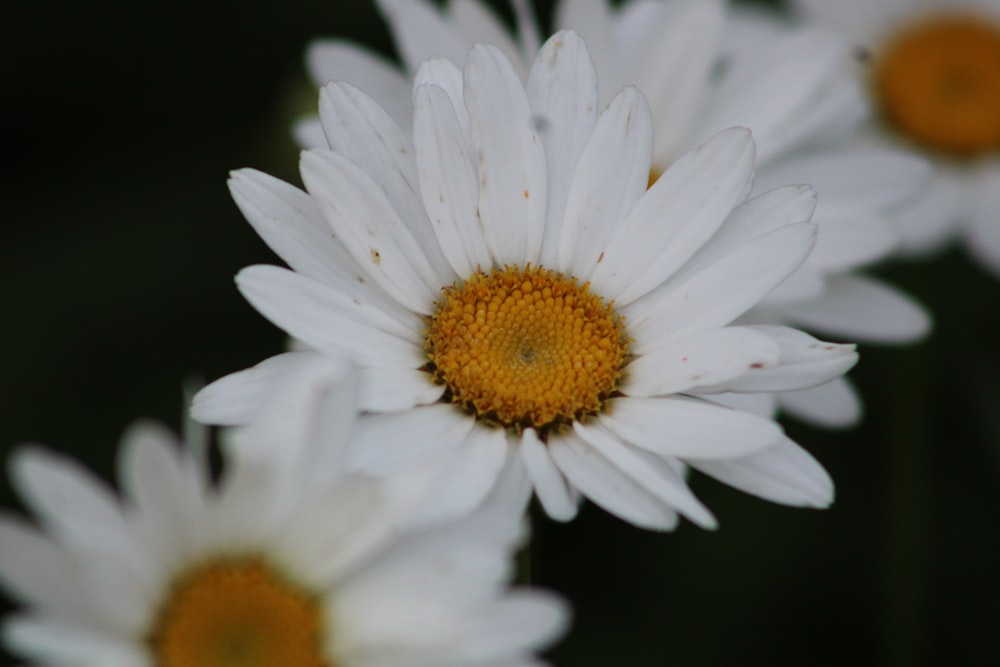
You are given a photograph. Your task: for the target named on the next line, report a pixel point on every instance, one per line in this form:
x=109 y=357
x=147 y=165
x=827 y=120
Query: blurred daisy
x=252 y=572
x=507 y=282
x=431 y=32
x=703 y=71
x=932 y=68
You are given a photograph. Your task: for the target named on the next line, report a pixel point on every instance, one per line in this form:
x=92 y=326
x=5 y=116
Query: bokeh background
x=120 y=242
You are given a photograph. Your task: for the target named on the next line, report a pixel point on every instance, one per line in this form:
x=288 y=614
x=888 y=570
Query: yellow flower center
x=237 y=613
x=939 y=84
x=526 y=348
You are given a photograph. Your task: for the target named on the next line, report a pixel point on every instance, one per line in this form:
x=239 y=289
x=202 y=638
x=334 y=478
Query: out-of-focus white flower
x=264 y=568
x=932 y=69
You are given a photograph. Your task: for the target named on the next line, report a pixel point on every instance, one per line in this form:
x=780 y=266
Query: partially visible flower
x=262 y=569
x=705 y=69
x=516 y=294
x=435 y=32
x=932 y=70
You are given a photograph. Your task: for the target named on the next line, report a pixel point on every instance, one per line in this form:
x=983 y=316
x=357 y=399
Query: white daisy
x=703 y=73
x=507 y=282
x=255 y=572
x=932 y=69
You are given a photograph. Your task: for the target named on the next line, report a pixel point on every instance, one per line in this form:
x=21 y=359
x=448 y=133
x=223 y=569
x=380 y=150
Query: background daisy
x=263 y=568
x=932 y=70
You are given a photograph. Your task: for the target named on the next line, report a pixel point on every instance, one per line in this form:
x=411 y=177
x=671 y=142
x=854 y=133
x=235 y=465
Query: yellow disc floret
x=939 y=84
x=526 y=347
x=237 y=613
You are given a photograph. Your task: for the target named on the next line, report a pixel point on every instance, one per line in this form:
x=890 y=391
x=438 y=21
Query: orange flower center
x=237 y=613
x=939 y=84
x=526 y=348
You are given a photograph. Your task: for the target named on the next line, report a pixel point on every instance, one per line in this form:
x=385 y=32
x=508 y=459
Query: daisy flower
x=509 y=283
x=253 y=572
x=932 y=70
x=704 y=69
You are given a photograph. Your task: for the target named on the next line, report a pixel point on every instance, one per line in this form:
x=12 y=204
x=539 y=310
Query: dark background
x=120 y=242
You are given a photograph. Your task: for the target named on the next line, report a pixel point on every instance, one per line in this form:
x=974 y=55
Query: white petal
x=356 y=521
x=475 y=469
x=370 y=228
x=659 y=480
x=550 y=485
x=527 y=26
x=448 y=77
x=238 y=397
x=865 y=309
x=864 y=178
x=678 y=214
x=930 y=220
x=305 y=424
x=54 y=643
x=448 y=181
x=457 y=563
x=521 y=621
x=359 y=130
x=721 y=292
x=318 y=316
x=308 y=133
x=685 y=427
x=474 y=20
x=292 y=224
x=389 y=443
x=421 y=32
x=758 y=216
x=762 y=405
x=982 y=230
x=849 y=238
x=840 y=106
x=611 y=174
x=605 y=485
x=396 y=389
x=833 y=405
x=512 y=176
x=591 y=19
x=671 y=64
x=865 y=22
x=335 y=60
x=707 y=358
x=805 y=284
x=791 y=74
x=805 y=362
x=37 y=571
x=513 y=490
x=562 y=92
x=70 y=501
x=785 y=474
x=83 y=515
x=165 y=486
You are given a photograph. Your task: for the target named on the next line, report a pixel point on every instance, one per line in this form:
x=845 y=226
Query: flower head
x=932 y=72
x=705 y=68
x=259 y=570
x=509 y=283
